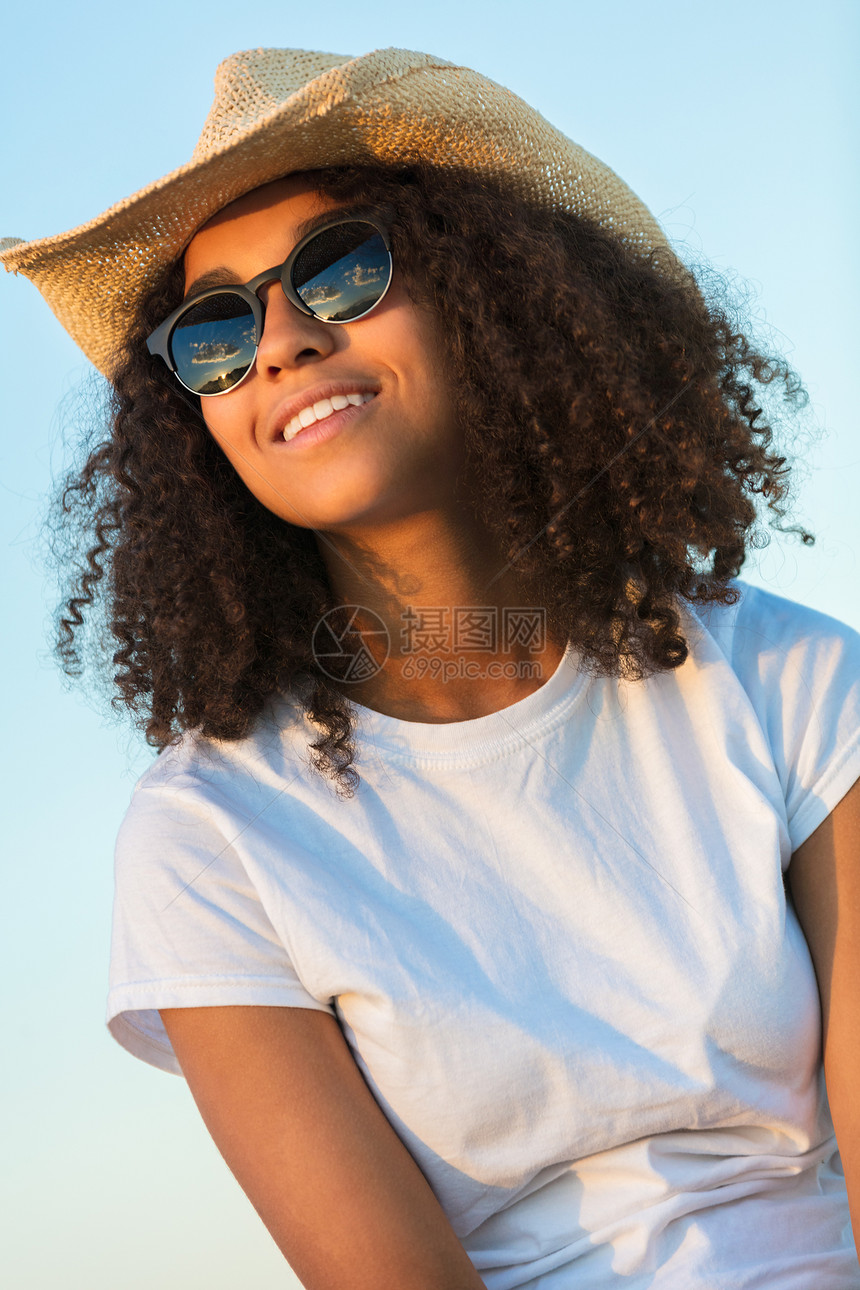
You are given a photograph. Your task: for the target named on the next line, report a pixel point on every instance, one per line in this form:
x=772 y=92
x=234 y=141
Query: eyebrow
x=221 y=276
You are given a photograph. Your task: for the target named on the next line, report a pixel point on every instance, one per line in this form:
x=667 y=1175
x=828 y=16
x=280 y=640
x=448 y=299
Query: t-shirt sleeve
x=801 y=670
x=189 y=927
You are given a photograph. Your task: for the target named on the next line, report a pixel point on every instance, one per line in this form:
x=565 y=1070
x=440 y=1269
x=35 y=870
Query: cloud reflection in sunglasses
x=321 y=295
x=215 y=352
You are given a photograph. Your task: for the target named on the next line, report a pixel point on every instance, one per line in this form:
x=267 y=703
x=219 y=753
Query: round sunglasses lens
x=343 y=272
x=214 y=343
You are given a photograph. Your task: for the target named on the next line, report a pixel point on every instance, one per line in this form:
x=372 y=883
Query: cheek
x=222 y=422
x=232 y=433
x=231 y=428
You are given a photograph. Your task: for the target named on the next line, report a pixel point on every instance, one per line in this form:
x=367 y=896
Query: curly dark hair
x=615 y=417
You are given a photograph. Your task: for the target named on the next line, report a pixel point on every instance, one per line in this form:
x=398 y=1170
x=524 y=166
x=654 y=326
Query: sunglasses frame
x=158 y=342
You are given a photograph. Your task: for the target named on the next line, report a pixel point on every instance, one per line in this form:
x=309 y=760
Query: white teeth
x=324 y=408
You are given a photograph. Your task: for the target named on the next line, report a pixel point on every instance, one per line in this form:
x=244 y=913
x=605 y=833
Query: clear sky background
x=737 y=124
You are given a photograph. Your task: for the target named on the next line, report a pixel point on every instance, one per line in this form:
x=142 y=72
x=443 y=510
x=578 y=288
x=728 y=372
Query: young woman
x=500 y=862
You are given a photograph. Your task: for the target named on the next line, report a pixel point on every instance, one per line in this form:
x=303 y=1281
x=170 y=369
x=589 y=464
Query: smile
x=320 y=411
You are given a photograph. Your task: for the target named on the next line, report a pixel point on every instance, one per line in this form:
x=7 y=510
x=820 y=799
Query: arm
x=824 y=876
x=290 y=1112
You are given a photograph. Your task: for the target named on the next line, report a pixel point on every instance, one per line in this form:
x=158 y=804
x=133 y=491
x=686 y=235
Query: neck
x=435 y=600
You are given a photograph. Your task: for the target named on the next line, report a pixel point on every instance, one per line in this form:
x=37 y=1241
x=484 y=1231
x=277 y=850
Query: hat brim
x=390 y=106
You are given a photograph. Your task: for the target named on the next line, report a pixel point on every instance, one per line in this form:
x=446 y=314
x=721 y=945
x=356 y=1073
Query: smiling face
x=390 y=446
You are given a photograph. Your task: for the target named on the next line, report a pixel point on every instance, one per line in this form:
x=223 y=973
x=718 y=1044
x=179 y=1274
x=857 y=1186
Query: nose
x=290 y=338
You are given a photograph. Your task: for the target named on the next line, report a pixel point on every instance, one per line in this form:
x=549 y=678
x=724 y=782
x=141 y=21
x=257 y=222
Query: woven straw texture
x=279 y=111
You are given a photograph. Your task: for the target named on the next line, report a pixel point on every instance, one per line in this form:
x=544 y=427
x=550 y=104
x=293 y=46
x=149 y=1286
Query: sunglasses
x=338 y=273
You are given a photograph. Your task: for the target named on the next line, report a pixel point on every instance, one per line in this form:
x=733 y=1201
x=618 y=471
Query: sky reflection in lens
x=340 y=275
x=213 y=351
x=349 y=285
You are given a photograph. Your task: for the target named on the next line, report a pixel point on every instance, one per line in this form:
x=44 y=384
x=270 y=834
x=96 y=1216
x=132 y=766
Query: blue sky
x=737 y=124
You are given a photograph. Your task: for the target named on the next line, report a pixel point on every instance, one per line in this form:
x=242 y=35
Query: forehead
x=257 y=230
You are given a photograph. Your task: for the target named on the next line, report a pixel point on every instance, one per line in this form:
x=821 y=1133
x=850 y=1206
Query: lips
x=318 y=403
x=323 y=409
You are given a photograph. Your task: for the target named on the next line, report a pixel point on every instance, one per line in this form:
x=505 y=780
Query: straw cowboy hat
x=278 y=111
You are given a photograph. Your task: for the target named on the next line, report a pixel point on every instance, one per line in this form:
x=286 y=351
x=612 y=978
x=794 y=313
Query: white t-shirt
x=557 y=941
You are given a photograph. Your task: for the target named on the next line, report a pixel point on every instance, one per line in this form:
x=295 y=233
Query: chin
x=351 y=508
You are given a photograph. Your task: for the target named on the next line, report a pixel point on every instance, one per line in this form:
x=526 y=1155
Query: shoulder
x=763 y=635
x=799 y=670
x=278 y=738
x=197 y=788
